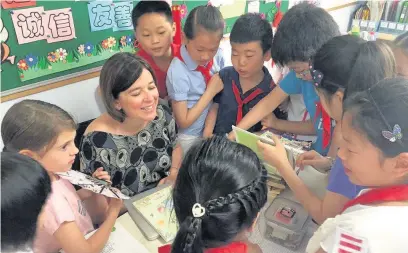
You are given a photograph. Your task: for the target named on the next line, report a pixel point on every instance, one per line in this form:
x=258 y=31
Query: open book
x=293 y=148
x=92 y=184
x=157 y=208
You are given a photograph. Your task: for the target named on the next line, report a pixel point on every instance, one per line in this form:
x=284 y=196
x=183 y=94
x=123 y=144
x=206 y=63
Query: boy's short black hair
x=146 y=7
x=251 y=27
x=302 y=31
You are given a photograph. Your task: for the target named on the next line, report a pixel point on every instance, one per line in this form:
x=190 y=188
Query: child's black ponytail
x=220 y=189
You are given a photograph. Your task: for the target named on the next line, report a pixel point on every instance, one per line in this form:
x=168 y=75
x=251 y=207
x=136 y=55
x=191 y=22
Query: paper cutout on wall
x=106 y=14
x=253 y=7
x=33 y=66
x=122 y=12
x=100 y=15
x=218 y=3
x=236 y=9
x=13 y=4
x=60 y=25
x=29 y=24
x=5 y=50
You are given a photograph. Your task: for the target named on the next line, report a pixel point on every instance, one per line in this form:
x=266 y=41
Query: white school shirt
x=365 y=229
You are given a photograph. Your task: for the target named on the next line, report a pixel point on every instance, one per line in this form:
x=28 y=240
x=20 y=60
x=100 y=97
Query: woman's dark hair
x=229 y=181
x=381 y=108
x=117 y=75
x=206 y=17
x=302 y=31
x=251 y=27
x=25 y=187
x=351 y=64
x=34 y=125
x=148 y=7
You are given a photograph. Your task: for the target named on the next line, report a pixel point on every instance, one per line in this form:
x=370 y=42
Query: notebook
x=158 y=210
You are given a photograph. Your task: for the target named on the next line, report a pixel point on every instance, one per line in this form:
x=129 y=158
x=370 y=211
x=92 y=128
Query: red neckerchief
x=241 y=102
x=204 y=70
x=387 y=194
x=326 y=123
x=236 y=247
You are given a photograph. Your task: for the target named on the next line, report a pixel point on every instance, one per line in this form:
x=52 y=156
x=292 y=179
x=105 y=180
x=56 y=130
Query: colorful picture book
x=92 y=184
x=293 y=147
x=158 y=210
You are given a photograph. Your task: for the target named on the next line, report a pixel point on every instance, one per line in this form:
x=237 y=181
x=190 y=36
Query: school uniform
x=160 y=74
x=322 y=123
x=186 y=81
x=364 y=227
x=234 y=104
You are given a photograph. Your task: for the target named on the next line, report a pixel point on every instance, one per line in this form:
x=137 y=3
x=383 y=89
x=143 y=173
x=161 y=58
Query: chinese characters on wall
x=106 y=15
x=35 y=24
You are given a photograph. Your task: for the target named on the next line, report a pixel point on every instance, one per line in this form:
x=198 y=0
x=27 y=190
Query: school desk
x=316 y=182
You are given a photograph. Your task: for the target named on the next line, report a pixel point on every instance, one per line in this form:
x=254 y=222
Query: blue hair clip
x=395 y=135
x=317 y=76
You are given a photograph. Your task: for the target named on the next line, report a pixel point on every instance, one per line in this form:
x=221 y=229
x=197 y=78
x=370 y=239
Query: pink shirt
x=63 y=205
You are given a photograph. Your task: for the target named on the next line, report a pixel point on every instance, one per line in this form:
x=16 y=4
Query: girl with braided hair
x=219 y=192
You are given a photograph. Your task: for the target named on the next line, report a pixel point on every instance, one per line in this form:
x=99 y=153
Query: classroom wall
x=80 y=99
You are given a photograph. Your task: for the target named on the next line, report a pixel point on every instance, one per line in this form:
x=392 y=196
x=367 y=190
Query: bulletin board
x=232 y=9
x=48 y=40
x=37 y=64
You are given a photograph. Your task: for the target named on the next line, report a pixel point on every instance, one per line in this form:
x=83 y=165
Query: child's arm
x=72 y=240
x=210 y=121
x=184 y=116
x=266 y=106
x=295 y=127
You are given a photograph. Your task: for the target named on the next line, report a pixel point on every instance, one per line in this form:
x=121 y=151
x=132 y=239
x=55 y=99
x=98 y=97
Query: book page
x=158 y=210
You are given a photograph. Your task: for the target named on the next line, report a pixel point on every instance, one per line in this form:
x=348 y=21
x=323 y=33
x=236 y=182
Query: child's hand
x=274 y=155
x=269 y=121
x=231 y=136
x=102 y=175
x=170 y=179
x=215 y=85
x=314 y=159
x=114 y=205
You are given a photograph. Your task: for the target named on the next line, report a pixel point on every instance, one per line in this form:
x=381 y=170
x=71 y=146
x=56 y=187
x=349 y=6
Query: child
x=219 y=192
x=19 y=193
x=154 y=30
x=189 y=73
x=401 y=53
x=345 y=63
x=247 y=81
x=375 y=154
x=46 y=133
x=302 y=31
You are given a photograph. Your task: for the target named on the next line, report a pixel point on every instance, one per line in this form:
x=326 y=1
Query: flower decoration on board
x=183 y=11
x=262 y=15
x=31 y=60
x=129 y=40
x=111 y=42
x=81 y=49
x=88 y=48
x=22 y=64
x=61 y=54
x=104 y=44
x=123 y=41
x=52 y=57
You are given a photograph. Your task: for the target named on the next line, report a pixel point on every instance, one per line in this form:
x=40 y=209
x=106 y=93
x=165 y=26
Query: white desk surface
x=316 y=181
